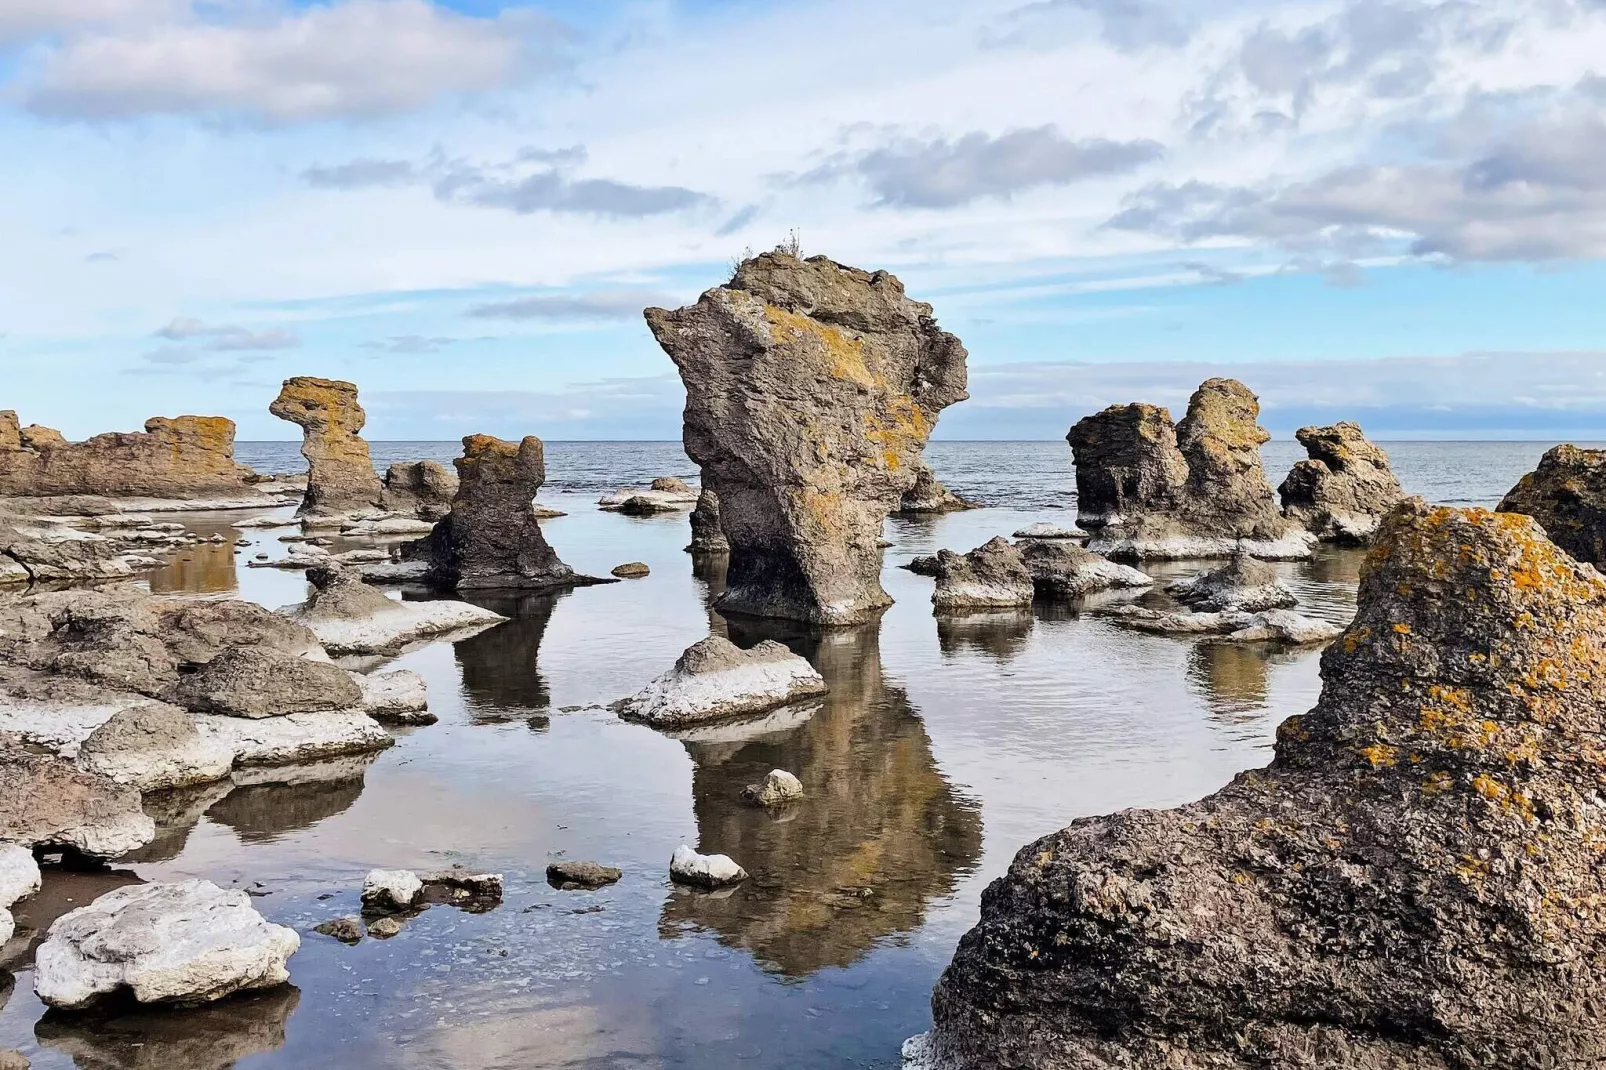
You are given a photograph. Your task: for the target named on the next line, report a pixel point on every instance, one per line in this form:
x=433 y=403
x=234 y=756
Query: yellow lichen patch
x=1292 y=730
x=1438 y=784
x=844 y=355
x=1381 y=755
x=1471 y=869
x=902 y=432
x=1502 y=796
x=1355 y=637
x=1402 y=629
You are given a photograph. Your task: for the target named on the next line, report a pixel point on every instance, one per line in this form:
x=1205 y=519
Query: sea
x=945 y=746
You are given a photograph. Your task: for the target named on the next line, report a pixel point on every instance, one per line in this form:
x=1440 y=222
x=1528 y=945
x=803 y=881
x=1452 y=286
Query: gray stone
x=52 y=803
x=252 y=682
x=1567 y=495
x=776 y=789
x=350 y=617
x=347 y=930
x=566 y=875
x=1059 y=568
x=992 y=576
x=631 y=570
x=707 y=537
x=387 y=890
x=1346 y=487
x=686 y=866
x=153 y=747
x=422 y=488
x=1242 y=584
x=386 y=927
x=928 y=495
x=715 y=679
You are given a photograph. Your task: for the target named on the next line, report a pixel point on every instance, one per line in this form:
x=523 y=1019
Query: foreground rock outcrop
x=811 y=389
x=1346 y=487
x=1413 y=882
x=492 y=537
x=715 y=680
x=1149 y=489
x=992 y=576
x=341 y=476
x=183 y=457
x=1567 y=495
x=350 y=617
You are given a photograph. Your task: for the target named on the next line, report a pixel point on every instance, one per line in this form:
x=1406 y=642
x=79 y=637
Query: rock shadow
x=213 y=1037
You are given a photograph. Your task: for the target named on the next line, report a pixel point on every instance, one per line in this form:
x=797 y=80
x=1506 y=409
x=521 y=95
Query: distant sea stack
x=1567 y=495
x=928 y=495
x=183 y=457
x=341 y=476
x=1149 y=488
x=1413 y=883
x=811 y=388
x=1346 y=487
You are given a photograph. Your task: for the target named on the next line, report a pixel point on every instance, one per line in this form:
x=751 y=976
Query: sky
x=1385 y=210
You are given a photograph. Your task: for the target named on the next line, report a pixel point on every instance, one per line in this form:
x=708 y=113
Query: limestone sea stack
x=1413 y=882
x=707 y=537
x=183 y=457
x=1345 y=488
x=341 y=476
x=928 y=495
x=492 y=537
x=811 y=389
x=1149 y=488
x=1567 y=495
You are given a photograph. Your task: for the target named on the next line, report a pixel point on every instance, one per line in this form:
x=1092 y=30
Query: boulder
x=463 y=889
x=930 y=496
x=195 y=632
x=992 y=576
x=672 y=485
x=19 y=878
x=776 y=789
x=254 y=682
x=1411 y=883
x=52 y=803
x=423 y=488
x=1059 y=568
x=184 y=943
x=686 y=866
x=1149 y=489
x=707 y=537
x=349 y=617
x=1242 y=584
x=1344 y=489
x=389 y=890
x=811 y=389
x=715 y=679
x=154 y=746
x=386 y=927
x=341 y=476
x=491 y=538
x=397 y=697
x=348 y=930
x=631 y=570
x=1230 y=626
x=183 y=457
x=566 y=875
x=295 y=738
x=33 y=556
x=1567 y=495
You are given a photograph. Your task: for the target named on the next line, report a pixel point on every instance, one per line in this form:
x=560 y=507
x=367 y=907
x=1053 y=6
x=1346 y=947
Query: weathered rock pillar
x=341 y=476
x=492 y=538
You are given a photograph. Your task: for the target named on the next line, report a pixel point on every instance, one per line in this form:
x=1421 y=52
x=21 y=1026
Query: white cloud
x=226 y=338
x=21 y=20
x=601 y=305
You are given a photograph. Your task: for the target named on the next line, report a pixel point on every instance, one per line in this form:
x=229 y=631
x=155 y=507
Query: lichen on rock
x=1413 y=882
x=811 y=389
x=341 y=476
x=1344 y=489
x=181 y=457
x=1567 y=495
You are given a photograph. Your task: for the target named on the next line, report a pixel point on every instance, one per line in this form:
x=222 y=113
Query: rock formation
x=341 y=476
x=423 y=488
x=491 y=538
x=1242 y=584
x=1151 y=489
x=566 y=874
x=350 y=617
x=1060 y=568
x=1413 y=882
x=1346 y=487
x=1567 y=495
x=930 y=496
x=992 y=576
x=707 y=537
x=51 y=803
x=715 y=679
x=811 y=389
x=686 y=866
x=184 y=457
x=1281 y=626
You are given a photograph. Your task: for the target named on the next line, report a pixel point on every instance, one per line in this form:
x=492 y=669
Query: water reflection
x=213 y=1037
x=1234 y=679
x=501 y=677
x=176 y=813
x=881 y=834
x=272 y=801
x=997 y=634
x=208 y=568
x=1336 y=565
x=60 y=891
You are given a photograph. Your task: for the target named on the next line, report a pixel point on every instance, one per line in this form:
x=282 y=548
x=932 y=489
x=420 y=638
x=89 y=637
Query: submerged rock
x=930 y=496
x=1405 y=886
x=1059 y=568
x=811 y=389
x=350 y=617
x=715 y=679
x=1151 y=489
x=1567 y=495
x=1345 y=488
x=183 y=457
x=1243 y=585
x=566 y=875
x=348 y=930
x=992 y=576
x=776 y=789
x=492 y=538
x=253 y=682
x=52 y=803
x=341 y=476
x=707 y=537
x=184 y=943
x=154 y=746
x=686 y=866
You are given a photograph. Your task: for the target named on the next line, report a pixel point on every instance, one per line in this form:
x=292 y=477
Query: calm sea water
x=945 y=744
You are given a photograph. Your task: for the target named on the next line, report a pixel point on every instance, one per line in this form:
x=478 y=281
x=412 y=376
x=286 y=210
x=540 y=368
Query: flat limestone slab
x=296 y=737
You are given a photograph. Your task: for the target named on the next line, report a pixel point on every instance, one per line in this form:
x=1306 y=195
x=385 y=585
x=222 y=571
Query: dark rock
x=811 y=390
x=252 y=682
x=707 y=537
x=631 y=570
x=423 y=488
x=567 y=875
x=930 y=496
x=347 y=930
x=1567 y=495
x=341 y=476
x=1411 y=883
x=992 y=576
x=385 y=928
x=1346 y=487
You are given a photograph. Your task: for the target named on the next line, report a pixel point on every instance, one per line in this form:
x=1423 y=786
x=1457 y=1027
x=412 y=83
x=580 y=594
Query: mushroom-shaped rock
x=1151 y=489
x=1242 y=584
x=153 y=746
x=385 y=890
x=707 y=537
x=341 y=476
x=1567 y=495
x=1345 y=488
x=252 y=682
x=686 y=866
x=1402 y=886
x=350 y=617
x=565 y=874
x=52 y=803
x=715 y=679
x=991 y=576
x=492 y=537
x=185 y=943
x=776 y=789
x=928 y=495
x=811 y=389
x=1060 y=568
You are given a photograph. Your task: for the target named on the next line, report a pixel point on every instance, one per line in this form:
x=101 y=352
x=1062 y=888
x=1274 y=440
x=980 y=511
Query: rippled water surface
x=945 y=744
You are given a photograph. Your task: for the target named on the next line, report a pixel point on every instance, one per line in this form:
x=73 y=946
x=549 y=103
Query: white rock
x=60 y=726
x=777 y=787
x=395 y=525
x=705 y=871
x=391 y=889
x=1284 y=626
x=153 y=747
x=389 y=630
x=399 y=697
x=1050 y=531
x=1271 y=626
x=295 y=737
x=12 y=572
x=8 y=925
x=190 y=942
x=362 y=557
x=393 y=571
x=19 y=874
x=715 y=679
x=666 y=499
x=1295 y=546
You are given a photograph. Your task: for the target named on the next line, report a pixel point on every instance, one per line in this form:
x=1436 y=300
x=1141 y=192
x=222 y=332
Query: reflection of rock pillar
x=212 y=1037
x=1234 y=678
x=880 y=834
x=500 y=665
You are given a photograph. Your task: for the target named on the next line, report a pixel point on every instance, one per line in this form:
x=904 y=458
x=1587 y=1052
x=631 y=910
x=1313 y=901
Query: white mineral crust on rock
x=295 y=737
x=715 y=679
x=391 y=889
x=705 y=871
